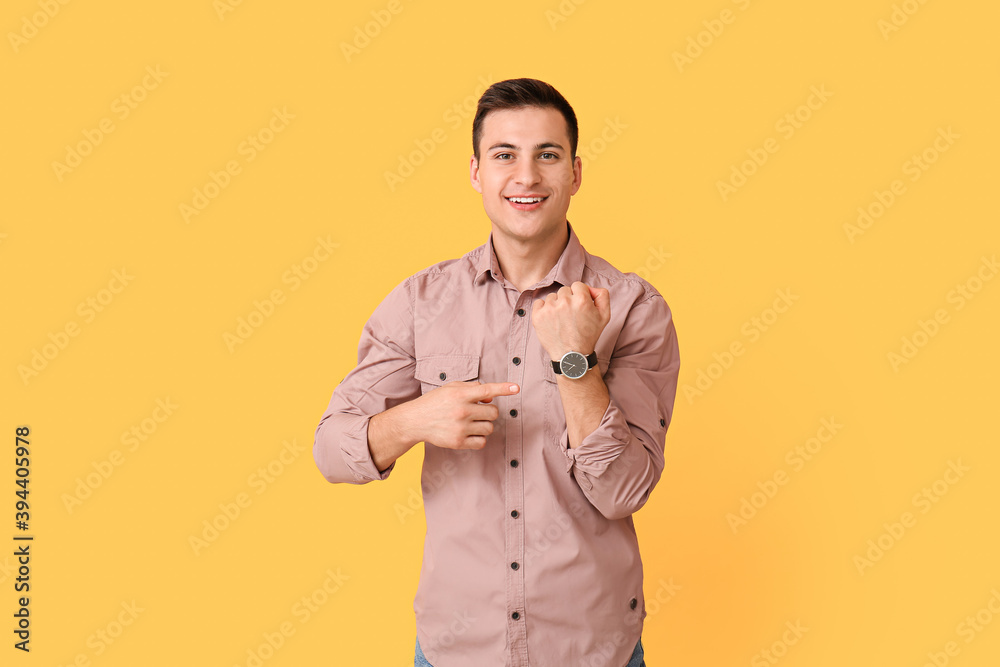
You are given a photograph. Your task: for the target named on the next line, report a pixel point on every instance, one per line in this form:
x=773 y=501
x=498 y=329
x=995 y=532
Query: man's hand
x=571 y=319
x=458 y=415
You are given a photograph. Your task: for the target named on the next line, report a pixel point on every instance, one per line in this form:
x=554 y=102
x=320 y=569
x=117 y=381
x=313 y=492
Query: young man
x=541 y=381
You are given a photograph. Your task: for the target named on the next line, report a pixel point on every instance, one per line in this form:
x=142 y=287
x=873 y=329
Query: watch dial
x=573 y=365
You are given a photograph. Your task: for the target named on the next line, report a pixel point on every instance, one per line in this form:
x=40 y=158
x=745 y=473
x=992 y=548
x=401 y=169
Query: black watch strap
x=591 y=362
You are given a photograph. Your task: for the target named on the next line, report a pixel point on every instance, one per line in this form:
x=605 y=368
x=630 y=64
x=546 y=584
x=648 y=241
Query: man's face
x=526 y=153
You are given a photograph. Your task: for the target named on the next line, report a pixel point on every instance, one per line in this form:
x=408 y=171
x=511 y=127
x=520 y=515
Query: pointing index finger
x=488 y=390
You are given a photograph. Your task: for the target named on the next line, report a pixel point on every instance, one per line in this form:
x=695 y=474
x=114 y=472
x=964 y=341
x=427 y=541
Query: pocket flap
x=440 y=369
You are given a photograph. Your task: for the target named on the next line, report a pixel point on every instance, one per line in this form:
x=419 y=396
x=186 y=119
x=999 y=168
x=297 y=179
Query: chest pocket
x=435 y=370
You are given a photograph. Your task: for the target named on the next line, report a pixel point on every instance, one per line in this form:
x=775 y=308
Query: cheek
x=563 y=179
x=492 y=186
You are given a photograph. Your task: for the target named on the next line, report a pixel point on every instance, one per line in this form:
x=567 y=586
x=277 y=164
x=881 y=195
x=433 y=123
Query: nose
x=527 y=173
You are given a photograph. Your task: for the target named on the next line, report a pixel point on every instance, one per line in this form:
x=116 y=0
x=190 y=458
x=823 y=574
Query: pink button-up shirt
x=530 y=556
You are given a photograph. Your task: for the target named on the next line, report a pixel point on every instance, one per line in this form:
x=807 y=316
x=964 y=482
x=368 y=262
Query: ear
x=577 y=174
x=474 y=175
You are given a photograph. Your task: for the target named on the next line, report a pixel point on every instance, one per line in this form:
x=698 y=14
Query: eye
x=498 y=156
x=550 y=155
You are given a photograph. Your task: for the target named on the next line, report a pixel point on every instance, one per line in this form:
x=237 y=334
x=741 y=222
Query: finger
x=475 y=442
x=482 y=428
x=483 y=412
x=488 y=390
x=602 y=299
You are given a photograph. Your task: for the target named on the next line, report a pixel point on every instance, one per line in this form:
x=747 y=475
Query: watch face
x=573 y=365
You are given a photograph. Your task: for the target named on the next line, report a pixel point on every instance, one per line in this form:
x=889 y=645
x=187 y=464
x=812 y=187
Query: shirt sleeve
x=618 y=464
x=383 y=378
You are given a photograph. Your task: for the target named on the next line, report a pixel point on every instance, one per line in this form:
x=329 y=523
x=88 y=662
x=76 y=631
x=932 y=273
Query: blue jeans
x=637 y=659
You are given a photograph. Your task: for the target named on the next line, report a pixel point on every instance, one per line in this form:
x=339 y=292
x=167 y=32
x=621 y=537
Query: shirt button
x=520 y=311
x=516 y=360
x=663 y=422
x=632 y=603
x=514 y=566
x=513 y=513
x=513 y=413
x=513 y=463
x=442 y=375
x=515 y=616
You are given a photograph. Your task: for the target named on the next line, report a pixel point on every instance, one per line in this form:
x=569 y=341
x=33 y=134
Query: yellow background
x=649 y=190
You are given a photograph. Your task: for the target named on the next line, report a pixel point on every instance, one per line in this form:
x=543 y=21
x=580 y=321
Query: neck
x=524 y=262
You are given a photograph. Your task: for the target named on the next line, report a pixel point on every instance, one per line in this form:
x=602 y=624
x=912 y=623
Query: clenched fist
x=571 y=319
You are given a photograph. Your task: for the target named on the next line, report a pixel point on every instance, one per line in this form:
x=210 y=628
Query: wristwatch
x=573 y=364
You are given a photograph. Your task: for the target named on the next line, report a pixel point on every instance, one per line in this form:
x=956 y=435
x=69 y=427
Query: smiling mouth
x=525 y=201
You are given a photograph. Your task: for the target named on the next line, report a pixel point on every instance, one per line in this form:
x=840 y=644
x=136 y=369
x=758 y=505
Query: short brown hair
x=519 y=93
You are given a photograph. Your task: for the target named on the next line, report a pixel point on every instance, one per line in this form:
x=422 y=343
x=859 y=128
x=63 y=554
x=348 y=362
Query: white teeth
x=525 y=200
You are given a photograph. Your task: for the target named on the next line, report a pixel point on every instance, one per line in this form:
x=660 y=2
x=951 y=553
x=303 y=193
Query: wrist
x=574 y=364
x=406 y=425
x=390 y=436
x=585 y=350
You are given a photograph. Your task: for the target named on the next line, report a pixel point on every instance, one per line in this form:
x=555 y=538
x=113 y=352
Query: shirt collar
x=567 y=270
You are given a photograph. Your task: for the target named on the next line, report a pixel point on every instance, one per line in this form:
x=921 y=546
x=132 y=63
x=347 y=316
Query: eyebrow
x=547 y=144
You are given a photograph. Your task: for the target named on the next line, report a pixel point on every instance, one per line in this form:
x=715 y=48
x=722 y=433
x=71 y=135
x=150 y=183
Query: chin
x=524 y=228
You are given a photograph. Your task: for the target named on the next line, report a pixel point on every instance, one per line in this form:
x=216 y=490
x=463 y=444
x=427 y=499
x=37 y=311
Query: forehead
x=526 y=124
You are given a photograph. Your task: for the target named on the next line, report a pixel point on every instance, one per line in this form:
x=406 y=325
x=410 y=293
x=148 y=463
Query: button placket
x=514 y=484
